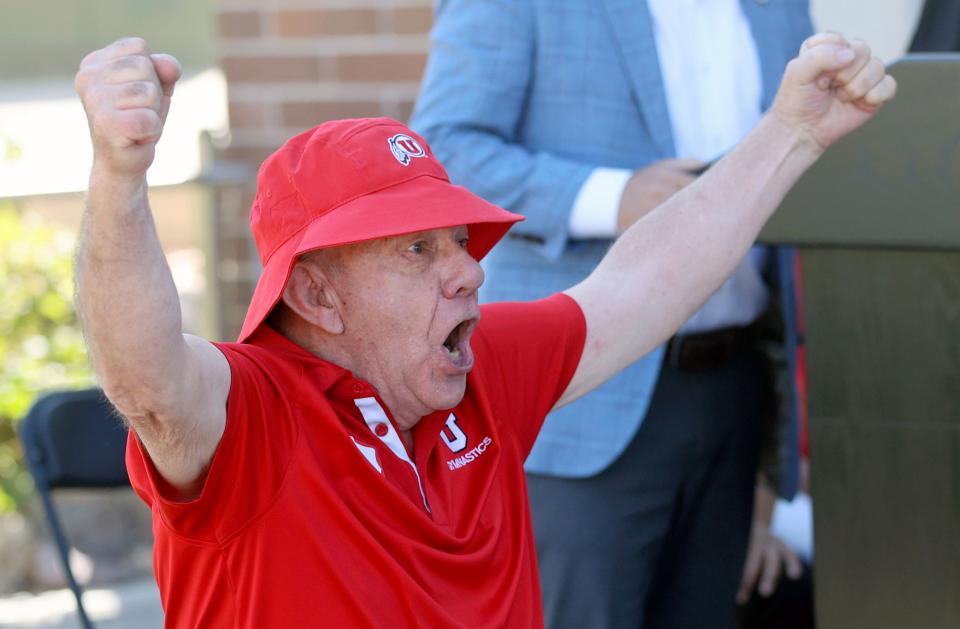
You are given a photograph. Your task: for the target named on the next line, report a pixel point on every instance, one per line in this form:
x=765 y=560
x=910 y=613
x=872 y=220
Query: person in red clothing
x=355 y=459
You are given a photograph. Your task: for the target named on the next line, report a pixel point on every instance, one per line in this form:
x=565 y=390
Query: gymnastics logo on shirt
x=455 y=439
x=404 y=148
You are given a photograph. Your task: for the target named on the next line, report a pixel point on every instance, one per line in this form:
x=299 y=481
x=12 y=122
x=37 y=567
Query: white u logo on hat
x=404 y=148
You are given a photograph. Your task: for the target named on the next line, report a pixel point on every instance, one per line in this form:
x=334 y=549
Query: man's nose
x=465 y=276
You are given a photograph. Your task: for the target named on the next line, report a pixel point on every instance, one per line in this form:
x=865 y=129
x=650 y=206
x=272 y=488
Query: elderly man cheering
x=355 y=459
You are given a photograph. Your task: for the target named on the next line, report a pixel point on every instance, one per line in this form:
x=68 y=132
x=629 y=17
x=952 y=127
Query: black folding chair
x=73 y=439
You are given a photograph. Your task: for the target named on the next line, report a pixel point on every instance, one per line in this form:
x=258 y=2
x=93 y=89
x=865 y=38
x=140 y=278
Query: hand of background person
x=831 y=88
x=767 y=558
x=126 y=93
x=651 y=185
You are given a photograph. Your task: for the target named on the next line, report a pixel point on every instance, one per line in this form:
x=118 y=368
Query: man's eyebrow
x=428 y=234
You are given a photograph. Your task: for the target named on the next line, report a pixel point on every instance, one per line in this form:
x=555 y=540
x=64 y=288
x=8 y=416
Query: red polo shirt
x=315 y=514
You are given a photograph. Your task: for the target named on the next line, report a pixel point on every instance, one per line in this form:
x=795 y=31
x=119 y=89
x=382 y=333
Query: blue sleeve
x=471 y=106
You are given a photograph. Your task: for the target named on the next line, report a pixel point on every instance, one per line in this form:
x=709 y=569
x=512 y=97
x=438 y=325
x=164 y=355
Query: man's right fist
x=126 y=93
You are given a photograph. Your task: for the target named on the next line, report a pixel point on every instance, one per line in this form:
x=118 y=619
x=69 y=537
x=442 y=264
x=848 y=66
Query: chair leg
x=64 y=551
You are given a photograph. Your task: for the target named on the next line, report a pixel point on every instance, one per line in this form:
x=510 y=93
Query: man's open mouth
x=457 y=343
x=453 y=340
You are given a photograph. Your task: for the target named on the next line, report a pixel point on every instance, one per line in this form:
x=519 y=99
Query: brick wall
x=291 y=64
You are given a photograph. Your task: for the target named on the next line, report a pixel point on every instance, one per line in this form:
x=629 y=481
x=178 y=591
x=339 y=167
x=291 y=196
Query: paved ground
x=130 y=605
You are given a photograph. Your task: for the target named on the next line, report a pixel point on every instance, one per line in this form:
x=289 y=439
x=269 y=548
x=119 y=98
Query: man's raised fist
x=832 y=88
x=126 y=93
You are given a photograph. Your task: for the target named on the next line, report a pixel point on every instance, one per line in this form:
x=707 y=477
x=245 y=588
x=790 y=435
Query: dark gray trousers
x=658 y=540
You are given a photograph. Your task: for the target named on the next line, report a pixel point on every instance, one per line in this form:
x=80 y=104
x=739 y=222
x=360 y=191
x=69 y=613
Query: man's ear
x=313 y=298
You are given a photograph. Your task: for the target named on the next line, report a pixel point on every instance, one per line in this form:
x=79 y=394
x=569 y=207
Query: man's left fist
x=831 y=88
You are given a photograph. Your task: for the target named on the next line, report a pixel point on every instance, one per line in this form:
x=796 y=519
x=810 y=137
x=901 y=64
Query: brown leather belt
x=707 y=350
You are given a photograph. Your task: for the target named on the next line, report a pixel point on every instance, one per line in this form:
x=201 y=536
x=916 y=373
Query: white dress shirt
x=713 y=84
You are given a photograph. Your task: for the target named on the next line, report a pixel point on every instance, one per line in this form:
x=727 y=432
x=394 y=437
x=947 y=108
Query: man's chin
x=450 y=393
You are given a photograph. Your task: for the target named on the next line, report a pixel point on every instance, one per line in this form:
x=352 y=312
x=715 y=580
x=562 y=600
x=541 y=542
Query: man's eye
x=417 y=247
x=464 y=242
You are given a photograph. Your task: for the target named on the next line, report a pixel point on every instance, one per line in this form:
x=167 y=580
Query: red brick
x=381 y=67
x=239 y=24
x=408 y=20
x=331 y=22
x=249 y=115
x=401 y=111
x=308 y=114
x=271 y=69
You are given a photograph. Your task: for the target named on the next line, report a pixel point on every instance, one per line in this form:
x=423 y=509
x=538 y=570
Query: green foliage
x=40 y=343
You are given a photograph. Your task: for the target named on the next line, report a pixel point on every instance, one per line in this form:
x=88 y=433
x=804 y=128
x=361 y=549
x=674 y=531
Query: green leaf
x=41 y=347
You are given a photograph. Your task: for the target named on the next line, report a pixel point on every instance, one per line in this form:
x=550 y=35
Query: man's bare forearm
x=125 y=292
x=669 y=262
x=676 y=257
x=660 y=271
x=173 y=388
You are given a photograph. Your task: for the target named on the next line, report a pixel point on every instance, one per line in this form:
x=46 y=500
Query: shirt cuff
x=596 y=209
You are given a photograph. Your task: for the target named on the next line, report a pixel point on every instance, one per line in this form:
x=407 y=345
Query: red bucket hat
x=348 y=181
